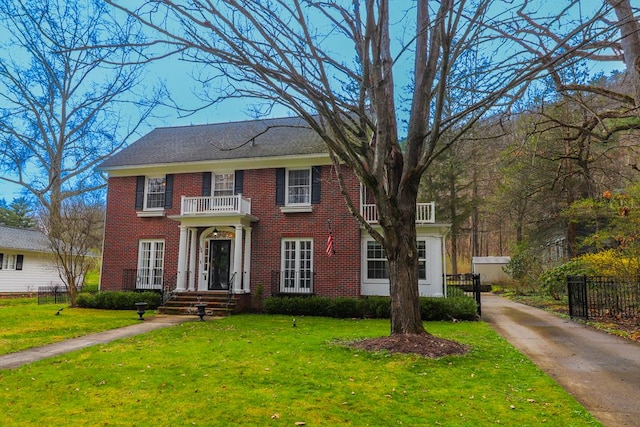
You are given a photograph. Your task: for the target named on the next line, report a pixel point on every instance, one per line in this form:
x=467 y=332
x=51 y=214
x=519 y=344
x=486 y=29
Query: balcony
x=425 y=213
x=214 y=205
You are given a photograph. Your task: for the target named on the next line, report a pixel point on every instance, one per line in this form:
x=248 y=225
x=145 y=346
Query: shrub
x=112 y=300
x=375 y=307
x=612 y=262
x=431 y=308
x=459 y=308
x=554 y=281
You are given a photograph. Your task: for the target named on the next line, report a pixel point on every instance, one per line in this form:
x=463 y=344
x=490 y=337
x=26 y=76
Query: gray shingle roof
x=23 y=239
x=223 y=141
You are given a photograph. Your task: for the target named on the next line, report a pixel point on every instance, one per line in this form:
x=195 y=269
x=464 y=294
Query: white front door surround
x=194 y=252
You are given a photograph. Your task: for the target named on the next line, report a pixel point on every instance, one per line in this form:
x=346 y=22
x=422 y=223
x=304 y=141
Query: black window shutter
x=237 y=182
x=315 y=184
x=139 y=193
x=280 y=186
x=19 y=261
x=1 y=259
x=206 y=184
x=168 y=192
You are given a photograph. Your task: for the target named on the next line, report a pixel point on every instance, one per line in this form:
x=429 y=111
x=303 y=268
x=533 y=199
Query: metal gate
x=468 y=283
x=577 y=292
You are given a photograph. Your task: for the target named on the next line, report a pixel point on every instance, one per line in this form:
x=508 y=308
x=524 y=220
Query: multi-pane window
x=223 y=184
x=299 y=187
x=151 y=264
x=297 y=265
x=155 y=193
x=8 y=262
x=378 y=266
x=422 y=260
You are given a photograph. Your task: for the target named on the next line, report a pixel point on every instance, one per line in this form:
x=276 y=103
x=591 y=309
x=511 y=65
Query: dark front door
x=219 y=260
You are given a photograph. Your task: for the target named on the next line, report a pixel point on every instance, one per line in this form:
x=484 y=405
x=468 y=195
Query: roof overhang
x=302 y=160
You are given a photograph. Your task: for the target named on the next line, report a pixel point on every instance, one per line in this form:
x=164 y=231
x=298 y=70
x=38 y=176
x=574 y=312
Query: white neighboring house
x=25 y=261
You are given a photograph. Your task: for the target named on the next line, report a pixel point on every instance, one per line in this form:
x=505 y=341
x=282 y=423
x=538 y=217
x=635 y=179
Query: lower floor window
x=11 y=262
x=297 y=265
x=150 y=263
x=378 y=266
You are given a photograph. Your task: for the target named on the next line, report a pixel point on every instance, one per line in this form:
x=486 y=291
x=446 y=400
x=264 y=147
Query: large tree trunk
x=630 y=41
x=402 y=254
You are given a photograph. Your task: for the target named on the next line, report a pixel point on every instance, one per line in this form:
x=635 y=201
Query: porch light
x=140 y=309
x=215 y=233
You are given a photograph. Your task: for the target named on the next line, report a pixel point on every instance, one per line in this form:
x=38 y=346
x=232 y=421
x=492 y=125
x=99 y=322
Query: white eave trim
x=304 y=160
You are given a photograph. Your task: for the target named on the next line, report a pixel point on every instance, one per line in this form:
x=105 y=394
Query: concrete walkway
x=14 y=360
x=601 y=371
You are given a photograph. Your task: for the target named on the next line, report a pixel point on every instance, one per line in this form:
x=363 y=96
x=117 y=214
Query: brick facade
x=338 y=275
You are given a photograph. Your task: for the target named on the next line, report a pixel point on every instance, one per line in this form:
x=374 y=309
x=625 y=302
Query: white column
x=246 y=280
x=237 y=259
x=182 y=260
x=192 y=259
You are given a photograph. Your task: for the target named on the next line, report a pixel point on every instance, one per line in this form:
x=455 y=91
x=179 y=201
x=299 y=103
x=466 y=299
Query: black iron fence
x=601 y=296
x=147 y=280
x=292 y=282
x=54 y=294
x=467 y=284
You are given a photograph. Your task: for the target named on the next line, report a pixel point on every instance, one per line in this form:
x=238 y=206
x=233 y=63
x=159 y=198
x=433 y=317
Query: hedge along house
x=248 y=207
x=26 y=261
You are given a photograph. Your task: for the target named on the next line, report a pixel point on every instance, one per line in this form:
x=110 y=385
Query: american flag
x=330 y=250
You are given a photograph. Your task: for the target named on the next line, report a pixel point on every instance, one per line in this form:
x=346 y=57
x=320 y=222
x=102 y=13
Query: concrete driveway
x=601 y=371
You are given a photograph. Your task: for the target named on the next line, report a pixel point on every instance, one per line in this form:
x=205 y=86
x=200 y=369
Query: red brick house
x=247 y=205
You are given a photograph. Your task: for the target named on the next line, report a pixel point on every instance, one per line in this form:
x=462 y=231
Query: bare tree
x=336 y=64
x=78 y=240
x=612 y=35
x=64 y=108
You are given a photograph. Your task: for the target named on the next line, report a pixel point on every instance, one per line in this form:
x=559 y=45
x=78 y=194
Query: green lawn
x=25 y=324
x=255 y=370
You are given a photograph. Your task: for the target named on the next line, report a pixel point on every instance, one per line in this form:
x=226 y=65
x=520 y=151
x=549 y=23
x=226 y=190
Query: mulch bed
x=425 y=345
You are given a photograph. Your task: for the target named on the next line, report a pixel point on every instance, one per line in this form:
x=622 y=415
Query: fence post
x=476 y=292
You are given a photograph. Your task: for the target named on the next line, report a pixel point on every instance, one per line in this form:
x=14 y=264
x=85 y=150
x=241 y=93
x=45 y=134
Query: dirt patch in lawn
x=425 y=345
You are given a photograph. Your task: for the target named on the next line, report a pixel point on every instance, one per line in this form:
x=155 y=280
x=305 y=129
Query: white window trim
x=365 y=267
x=145 y=206
x=286 y=188
x=213 y=182
x=297 y=269
x=149 y=284
x=6 y=265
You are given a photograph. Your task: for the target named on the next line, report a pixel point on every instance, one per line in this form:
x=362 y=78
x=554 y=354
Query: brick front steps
x=218 y=303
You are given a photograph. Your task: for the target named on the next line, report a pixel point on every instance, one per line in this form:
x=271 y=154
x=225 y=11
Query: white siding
x=37 y=270
x=429 y=287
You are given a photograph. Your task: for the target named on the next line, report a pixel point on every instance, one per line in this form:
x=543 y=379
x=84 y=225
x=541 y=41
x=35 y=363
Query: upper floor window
x=298 y=187
x=154 y=195
x=223 y=184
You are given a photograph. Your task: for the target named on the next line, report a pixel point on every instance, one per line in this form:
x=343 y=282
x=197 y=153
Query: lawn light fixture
x=201 y=306
x=140 y=309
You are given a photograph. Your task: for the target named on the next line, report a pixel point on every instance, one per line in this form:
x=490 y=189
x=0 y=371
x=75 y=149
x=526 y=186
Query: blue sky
x=177 y=76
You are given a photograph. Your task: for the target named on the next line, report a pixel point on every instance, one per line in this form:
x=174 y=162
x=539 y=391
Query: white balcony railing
x=211 y=205
x=425 y=213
